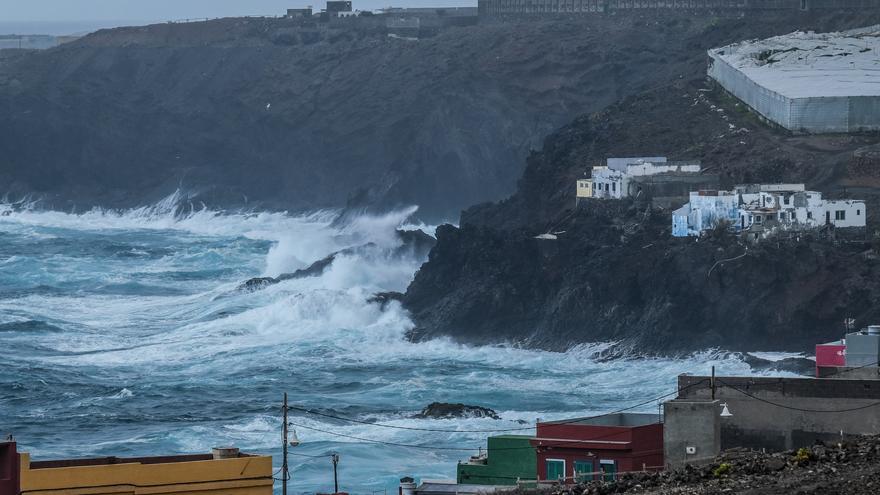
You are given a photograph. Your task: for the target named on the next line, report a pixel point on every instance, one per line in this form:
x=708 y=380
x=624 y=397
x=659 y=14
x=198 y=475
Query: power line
x=792 y=408
x=393 y=444
x=559 y=443
x=307 y=455
x=491 y=430
x=471 y=449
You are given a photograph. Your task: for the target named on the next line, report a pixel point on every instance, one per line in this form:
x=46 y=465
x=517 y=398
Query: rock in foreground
x=848 y=468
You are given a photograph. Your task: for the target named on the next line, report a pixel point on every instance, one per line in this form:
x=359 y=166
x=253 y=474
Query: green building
x=509 y=457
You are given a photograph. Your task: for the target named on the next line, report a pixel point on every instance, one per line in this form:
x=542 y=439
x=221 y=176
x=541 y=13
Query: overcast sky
x=155 y=10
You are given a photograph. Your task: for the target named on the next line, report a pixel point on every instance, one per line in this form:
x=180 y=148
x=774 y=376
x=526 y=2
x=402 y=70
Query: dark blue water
x=125 y=333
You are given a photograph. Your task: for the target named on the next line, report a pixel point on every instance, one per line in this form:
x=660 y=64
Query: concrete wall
x=782 y=425
x=538 y=7
x=669 y=190
x=812 y=115
x=849 y=373
x=853 y=212
x=770 y=104
x=691 y=431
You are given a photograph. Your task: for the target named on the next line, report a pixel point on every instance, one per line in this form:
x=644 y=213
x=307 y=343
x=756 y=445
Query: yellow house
x=225 y=472
x=584 y=189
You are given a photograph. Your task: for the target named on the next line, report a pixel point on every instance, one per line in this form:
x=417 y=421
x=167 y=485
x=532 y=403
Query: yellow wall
x=584 y=188
x=236 y=476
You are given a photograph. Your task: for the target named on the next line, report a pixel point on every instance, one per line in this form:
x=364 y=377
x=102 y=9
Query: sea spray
x=126 y=333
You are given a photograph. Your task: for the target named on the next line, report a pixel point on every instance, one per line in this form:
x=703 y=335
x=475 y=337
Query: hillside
x=615 y=274
x=272 y=113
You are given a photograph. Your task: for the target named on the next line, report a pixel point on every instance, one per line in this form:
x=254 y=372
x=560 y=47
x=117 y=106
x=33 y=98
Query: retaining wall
x=788 y=413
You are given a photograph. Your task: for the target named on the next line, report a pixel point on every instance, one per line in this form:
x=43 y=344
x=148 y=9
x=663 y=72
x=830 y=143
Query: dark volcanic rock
x=314 y=270
x=801 y=366
x=614 y=273
x=848 y=468
x=383 y=298
x=443 y=410
x=414 y=243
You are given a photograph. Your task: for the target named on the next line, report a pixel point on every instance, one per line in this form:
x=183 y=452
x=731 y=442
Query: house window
x=555 y=469
x=858 y=213
x=583 y=470
x=809 y=215
x=840 y=215
x=609 y=469
x=758 y=219
x=614 y=186
x=787 y=200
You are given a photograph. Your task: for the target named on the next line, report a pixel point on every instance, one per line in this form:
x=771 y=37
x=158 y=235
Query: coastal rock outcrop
x=445 y=410
x=612 y=272
x=415 y=243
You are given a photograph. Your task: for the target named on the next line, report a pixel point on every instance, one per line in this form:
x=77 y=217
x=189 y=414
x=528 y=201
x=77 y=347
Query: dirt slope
x=276 y=114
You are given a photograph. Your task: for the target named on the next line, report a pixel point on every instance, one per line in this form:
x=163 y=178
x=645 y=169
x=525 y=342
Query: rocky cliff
x=615 y=274
x=284 y=114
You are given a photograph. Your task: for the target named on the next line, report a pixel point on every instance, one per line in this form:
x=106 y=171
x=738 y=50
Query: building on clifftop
x=806 y=82
x=760 y=210
x=655 y=180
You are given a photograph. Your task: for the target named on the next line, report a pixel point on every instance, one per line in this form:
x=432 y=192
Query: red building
x=830 y=355
x=9 y=469
x=592 y=448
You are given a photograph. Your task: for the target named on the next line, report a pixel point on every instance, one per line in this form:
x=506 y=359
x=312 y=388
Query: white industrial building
x=759 y=210
x=806 y=82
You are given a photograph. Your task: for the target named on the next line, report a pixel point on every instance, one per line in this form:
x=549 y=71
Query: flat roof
x=617 y=419
x=105 y=461
x=808 y=64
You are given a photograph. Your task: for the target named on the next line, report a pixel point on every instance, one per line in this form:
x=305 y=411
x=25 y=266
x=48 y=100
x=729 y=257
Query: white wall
x=852 y=210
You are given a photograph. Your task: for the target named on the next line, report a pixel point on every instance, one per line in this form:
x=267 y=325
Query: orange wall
x=236 y=476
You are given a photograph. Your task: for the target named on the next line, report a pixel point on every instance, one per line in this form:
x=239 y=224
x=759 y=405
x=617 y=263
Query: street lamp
x=293 y=441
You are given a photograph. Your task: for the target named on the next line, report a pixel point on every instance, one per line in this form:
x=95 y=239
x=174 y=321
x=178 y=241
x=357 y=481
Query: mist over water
x=125 y=333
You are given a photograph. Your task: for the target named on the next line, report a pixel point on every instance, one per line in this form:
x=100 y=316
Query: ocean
x=126 y=333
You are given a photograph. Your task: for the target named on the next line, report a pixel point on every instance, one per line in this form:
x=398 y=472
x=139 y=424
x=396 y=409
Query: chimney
x=224 y=452
x=407 y=486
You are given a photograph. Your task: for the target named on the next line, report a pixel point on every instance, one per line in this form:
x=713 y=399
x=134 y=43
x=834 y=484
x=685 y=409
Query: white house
x=761 y=209
x=704 y=211
x=614 y=180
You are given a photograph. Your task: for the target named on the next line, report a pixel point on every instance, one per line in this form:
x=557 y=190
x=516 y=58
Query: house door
x=555 y=469
x=609 y=469
x=827 y=217
x=583 y=470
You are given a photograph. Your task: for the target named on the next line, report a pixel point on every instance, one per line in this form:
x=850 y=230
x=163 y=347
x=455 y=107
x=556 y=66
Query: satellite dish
x=294 y=439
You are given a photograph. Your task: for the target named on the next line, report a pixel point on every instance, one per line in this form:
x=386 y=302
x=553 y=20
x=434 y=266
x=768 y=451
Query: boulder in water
x=801 y=366
x=444 y=410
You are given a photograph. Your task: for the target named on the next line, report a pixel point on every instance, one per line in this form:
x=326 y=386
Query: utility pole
x=284 y=474
x=335 y=478
x=712 y=381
